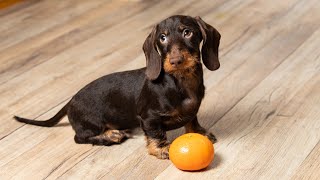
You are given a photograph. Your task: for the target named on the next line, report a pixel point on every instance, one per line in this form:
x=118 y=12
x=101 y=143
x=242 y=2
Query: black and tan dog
x=163 y=96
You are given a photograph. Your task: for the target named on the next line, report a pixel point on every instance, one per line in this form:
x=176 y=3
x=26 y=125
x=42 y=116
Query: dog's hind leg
x=82 y=138
x=108 y=138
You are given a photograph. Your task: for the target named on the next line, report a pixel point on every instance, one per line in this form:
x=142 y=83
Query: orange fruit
x=191 y=152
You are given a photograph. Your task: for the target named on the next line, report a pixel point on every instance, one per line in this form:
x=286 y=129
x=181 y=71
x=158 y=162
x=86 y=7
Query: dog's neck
x=190 y=78
x=191 y=83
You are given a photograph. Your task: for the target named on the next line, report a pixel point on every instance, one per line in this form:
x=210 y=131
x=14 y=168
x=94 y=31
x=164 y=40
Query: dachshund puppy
x=163 y=96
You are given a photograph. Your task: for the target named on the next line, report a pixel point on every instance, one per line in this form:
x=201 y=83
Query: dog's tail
x=48 y=123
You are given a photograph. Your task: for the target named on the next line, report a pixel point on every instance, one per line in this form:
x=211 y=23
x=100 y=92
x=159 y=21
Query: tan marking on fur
x=186 y=68
x=154 y=148
x=181 y=27
x=114 y=135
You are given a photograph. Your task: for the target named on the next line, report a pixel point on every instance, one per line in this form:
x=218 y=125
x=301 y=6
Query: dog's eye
x=163 y=38
x=187 y=33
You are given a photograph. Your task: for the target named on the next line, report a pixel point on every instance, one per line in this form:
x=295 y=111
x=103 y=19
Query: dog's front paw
x=211 y=137
x=157 y=148
x=164 y=153
x=159 y=152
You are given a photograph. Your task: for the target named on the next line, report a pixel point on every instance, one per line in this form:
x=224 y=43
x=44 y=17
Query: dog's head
x=173 y=45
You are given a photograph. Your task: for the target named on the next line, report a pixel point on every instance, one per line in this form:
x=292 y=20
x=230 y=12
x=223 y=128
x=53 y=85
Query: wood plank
x=276 y=47
x=309 y=169
x=26 y=55
x=29 y=8
x=39 y=21
x=283 y=144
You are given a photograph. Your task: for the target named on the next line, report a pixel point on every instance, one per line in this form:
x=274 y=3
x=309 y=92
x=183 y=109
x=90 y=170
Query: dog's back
x=111 y=100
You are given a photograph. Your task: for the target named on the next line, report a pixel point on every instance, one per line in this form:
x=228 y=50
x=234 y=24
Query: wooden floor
x=263 y=104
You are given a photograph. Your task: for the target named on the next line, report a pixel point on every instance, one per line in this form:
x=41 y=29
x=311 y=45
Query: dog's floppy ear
x=152 y=56
x=210 y=48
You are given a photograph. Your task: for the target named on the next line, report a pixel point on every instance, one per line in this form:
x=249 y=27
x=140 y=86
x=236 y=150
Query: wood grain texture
x=263 y=104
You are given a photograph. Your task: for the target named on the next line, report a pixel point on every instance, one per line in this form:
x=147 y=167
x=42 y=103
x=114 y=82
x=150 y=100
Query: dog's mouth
x=185 y=61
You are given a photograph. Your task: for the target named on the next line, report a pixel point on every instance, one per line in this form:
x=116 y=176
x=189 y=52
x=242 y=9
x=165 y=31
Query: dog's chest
x=191 y=93
x=181 y=114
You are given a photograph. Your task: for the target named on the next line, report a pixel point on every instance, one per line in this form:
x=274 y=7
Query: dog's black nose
x=176 y=61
